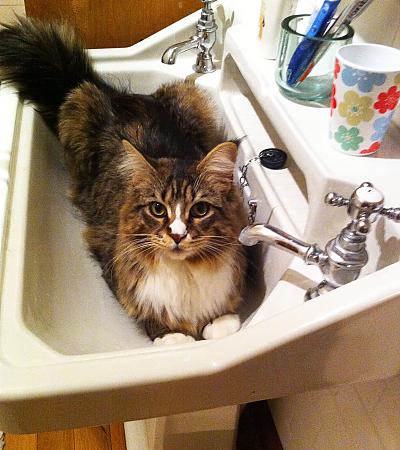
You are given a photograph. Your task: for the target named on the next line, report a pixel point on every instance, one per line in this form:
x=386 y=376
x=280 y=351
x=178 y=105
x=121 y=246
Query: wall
x=102 y=24
x=10 y=8
x=363 y=416
x=113 y=23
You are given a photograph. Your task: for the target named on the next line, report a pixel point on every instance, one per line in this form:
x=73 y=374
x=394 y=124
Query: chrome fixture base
x=204 y=64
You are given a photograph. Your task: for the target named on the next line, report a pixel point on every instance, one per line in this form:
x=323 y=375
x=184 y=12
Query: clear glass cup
x=317 y=86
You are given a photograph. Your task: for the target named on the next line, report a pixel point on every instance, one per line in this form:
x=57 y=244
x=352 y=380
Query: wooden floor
x=256 y=431
x=107 y=437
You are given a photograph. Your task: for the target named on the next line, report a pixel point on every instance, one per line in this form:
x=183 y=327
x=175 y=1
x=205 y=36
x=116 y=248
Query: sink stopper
x=273 y=158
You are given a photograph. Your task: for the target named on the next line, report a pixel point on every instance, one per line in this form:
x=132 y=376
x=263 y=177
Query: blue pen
x=351 y=12
x=307 y=48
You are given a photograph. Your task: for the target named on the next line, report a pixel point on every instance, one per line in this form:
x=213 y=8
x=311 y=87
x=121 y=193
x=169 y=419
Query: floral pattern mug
x=365 y=93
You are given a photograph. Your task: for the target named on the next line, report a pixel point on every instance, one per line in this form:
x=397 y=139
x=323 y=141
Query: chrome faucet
x=203 y=40
x=345 y=255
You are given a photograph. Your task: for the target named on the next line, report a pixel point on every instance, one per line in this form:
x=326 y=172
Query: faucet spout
x=345 y=255
x=309 y=253
x=172 y=52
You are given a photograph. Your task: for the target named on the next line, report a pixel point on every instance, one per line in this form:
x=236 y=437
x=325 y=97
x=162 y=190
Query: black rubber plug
x=273 y=158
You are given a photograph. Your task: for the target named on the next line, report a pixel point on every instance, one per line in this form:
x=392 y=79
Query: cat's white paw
x=222 y=326
x=174 y=339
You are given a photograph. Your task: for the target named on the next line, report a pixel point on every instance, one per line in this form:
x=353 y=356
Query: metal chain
x=243 y=180
x=243 y=183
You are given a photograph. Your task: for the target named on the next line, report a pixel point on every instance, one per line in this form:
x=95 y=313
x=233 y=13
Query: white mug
x=366 y=91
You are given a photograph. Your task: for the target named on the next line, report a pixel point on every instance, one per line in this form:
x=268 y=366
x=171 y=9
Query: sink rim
x=198 y=351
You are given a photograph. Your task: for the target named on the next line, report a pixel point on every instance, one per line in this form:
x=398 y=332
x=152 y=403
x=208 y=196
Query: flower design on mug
x=349 y=139
x=380 y=126
x=333 y=98
x=372 y=149
x=355 y=108
x=387 y=101
x=337 y=69
x=364 y=80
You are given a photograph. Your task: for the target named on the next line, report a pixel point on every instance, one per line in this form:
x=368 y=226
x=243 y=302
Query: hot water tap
x=345 y=255
x=203 y=40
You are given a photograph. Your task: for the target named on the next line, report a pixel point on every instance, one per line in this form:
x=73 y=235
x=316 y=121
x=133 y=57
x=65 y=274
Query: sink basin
x=69 y=355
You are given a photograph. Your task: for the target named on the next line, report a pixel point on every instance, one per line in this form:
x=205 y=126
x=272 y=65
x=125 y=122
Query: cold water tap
x=345 y=255
x=203 y=40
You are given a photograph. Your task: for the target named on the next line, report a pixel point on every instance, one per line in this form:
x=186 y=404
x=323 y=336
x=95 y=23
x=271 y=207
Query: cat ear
x=217 y=166
x=136 y=163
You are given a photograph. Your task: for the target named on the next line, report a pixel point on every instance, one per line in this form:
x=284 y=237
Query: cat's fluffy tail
x=44 y=62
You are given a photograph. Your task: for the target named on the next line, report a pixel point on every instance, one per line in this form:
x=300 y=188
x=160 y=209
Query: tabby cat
x=152 y=177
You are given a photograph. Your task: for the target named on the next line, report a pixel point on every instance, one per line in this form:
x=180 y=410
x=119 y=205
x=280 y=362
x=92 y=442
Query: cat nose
x=177 y=237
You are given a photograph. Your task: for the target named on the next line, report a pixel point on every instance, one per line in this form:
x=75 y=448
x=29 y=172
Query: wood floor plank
x=117 y=433
x=94 y=438
x=56 y=440
x=107 y=437
x=21 y=441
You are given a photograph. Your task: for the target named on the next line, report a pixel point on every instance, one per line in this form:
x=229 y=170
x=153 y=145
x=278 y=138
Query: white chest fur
x=186 y=291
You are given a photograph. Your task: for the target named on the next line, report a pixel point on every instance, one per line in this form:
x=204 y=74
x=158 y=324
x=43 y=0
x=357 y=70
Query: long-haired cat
x=152 y=176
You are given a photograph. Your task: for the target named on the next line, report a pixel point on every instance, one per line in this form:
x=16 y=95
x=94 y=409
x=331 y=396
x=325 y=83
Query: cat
x=152 y=178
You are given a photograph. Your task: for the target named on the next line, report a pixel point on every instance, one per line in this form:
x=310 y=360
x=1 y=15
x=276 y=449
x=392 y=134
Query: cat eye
x=199 y=209
x=158 y=209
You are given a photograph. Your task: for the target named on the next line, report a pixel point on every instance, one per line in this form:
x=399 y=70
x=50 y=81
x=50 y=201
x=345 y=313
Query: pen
x=351 y=12
x=305 y=51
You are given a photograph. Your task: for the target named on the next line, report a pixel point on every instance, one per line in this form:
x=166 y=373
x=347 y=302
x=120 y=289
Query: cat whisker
x=220 y=246
x=105 y=230
x=136 y=234
x=202 y=245
x=214 y=236
x=216 y=240
x=211 y=250
x=111 y=264
x=129 y=250
x=129 y=256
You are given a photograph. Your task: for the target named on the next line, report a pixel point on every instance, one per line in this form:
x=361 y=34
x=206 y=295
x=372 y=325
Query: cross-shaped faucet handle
x=365 y=201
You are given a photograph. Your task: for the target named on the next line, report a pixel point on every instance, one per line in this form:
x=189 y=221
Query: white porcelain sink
x=69 y=355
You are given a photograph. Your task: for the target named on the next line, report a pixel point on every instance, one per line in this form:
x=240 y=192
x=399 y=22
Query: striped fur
x=150 y=174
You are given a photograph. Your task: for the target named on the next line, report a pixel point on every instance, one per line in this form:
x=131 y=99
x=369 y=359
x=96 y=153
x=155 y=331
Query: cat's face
x=181 y=211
